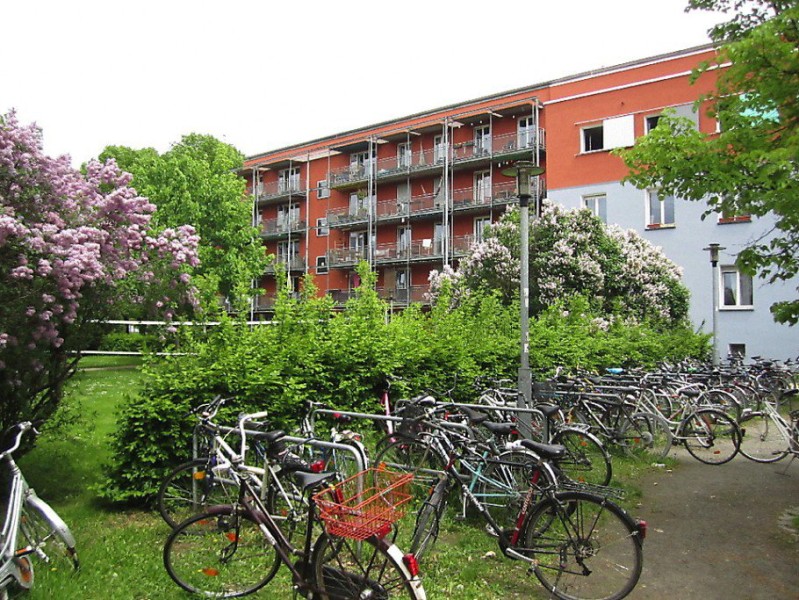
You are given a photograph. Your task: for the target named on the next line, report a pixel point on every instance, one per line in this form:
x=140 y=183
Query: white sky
x=265 y=74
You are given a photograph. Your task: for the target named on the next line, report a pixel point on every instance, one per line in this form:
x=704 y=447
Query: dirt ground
x=717 y=532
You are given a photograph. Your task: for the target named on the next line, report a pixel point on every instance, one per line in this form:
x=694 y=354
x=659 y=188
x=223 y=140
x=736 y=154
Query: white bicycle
x=31 y=527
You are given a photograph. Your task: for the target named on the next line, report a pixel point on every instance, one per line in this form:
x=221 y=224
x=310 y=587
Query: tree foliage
x=572 y=253
x=195 y=183
x=68 y=241
x=750 y=167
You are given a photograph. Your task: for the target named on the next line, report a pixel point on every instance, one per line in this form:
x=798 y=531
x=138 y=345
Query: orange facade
x=413 y=194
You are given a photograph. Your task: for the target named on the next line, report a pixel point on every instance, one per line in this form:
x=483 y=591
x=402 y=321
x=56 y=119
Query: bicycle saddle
x=551 y=451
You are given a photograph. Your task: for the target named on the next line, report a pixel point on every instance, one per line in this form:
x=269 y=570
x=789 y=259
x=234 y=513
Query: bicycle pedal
x=491 y=531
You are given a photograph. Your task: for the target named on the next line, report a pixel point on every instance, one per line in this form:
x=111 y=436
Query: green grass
x=120 y=550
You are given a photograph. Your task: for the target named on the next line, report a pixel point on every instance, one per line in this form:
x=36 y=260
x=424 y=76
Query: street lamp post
x=714 y=250
x=524 y=171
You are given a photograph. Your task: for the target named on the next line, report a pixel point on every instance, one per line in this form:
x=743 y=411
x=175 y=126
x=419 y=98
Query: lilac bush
x=572 y=253
x=70 y=243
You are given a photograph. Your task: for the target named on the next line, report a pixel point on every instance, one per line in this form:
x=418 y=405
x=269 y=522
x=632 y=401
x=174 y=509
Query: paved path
x=714 y=532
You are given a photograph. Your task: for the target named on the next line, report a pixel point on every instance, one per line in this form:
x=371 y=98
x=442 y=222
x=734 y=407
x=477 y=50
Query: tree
x=750 y=167
x=572 y=253
x=67 y=241
x=195 y=182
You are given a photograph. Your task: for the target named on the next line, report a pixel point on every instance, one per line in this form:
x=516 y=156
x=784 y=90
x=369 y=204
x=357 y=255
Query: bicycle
x=578 y=543
x=28 y=517
x=193 y=486
x=233 y=550
x=767 y=435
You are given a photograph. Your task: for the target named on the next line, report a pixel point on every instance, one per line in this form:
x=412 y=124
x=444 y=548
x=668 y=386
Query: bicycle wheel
x=344 y=462
x=47 y=533
x=413 y=455
x=586 y=461
x=710 y=436
x=285 y=502
x=220 y=554
x=428 y=519
x=190 y=489
x=646 y=436
x=761 y=440
x=584 y=547
x=502 y=485
x=348 y=569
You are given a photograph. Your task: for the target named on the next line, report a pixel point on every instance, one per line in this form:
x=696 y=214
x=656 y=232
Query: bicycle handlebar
x=23 y=427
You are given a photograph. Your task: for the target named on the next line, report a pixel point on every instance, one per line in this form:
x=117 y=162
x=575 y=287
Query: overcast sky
x=265 y=74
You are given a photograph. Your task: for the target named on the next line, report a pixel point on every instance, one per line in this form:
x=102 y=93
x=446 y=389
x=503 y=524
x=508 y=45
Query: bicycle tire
x=344 y=463
x=428 y=519
x=646 y=436
x=47 y=534
x=583 y=547
x=413 y=455
x=587 y=460
x=710 y=436
x=761 y=441
x=287 y=505
x=511 y=473
x=345 y=569
x=190 y=489
x=221 y=553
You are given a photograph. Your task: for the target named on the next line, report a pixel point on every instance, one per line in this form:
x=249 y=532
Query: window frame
x=739 y=289
x=661 y=224
x=322 y=189
x=324 y=267
x=593 y=199
x=322 y=226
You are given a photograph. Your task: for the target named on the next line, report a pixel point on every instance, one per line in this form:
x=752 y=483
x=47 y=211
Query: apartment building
x=412 y=194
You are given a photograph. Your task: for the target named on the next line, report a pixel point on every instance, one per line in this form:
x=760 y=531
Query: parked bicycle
x=771 y=433
x=233 y=550
x=31 y=527
x=579 y=543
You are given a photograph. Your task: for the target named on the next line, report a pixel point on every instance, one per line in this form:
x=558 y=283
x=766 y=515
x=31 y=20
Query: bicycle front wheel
x=190 y=489
x=346 y=569
x=502 y=486
x=413 y=455
x=761 y=440
x=584 y=547
x=586 y=460
x=428 y=519
x=710 y=436
x=47 y=533
x=220 y=554
x=646 y=436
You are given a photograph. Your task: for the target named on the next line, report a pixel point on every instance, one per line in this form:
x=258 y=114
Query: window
x=322 y=229
x=288 y=251
x=288 y=180
x=660 y=210
x=737 y=350
x=321 y=264
x=593 y=139
x=526 y=135
x=616 y=132
x=288 y=216
x=482 y=187
x=482 y=140
x=731 y=216
x=322 y=189
x=651 y=122
x=403 y=240
x=597 y=204
x=480 y=226
x=360 y=164
x=439 y=148
x=402 y=279
x=404 y=155
x=736 y=288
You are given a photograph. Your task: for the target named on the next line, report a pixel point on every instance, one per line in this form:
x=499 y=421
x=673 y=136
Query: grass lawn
x=120 y=550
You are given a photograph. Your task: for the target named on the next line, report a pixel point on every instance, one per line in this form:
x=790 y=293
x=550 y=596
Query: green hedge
x=312 y=352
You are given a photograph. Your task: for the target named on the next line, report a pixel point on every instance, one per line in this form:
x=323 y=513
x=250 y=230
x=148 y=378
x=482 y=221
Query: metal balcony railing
x=342 y=257
x=278 y=190
x=406 y=295
x=295 y=263
x=281 y=226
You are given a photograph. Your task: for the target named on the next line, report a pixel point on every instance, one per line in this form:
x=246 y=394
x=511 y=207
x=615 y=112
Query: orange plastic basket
x=364 y=505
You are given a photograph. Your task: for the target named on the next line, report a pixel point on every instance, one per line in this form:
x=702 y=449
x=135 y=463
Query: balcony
x=413 y=251
x=345 y=257
x=347 y=217
x=275 y=228
x=279 y=191
x=461 y=245
x=295 y=263
x=404 y=296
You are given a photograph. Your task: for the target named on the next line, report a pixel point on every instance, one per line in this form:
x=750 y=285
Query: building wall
x=577 y=121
